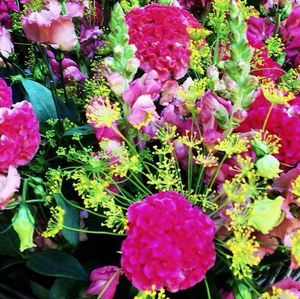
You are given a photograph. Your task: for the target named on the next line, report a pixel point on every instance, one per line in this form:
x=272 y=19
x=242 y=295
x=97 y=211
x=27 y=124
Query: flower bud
x=213 y=73
x=23 y=224
x=268 y=167
x=260 y=147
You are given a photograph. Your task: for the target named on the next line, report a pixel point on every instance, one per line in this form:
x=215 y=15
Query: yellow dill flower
x=236 y=190
x=274 y=45
x=199 y=56
x=233 y=144
x=101 y=112
x=208 y=160
x=238 y=217
x=96 y=88
x=295 y=249
x=264 y=143
x=198 y=33
x=278 y=293
x=54 y=182
x=276 y=95
x=296 y=188
x=190 y=140
x=243 y=247
x=167 y=133
x=55 y=223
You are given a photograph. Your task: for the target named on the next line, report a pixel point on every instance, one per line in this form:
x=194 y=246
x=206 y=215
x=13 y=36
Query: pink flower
x=5 y=94
x=281 y=122
x=169 y=243
x=89 y=40
x=9 y=184
x=71 y=71
x=48 y=26
x=143 y=112
x=188 y=4
x=19 y=135
x=7 y=6
x=290 y=34
x=148 y=84
x=258 y=30
x=6 y=46
x=160 y=34
x=290 y=285
x=104 y=281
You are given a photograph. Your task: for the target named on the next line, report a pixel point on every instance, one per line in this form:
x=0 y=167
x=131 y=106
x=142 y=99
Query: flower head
x=5 y=94
x=160 y=34
x=155 y=251
x=19 y=135
x=6 y=46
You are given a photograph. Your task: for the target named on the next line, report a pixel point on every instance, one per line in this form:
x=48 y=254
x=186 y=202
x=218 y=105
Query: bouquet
x=150 y=149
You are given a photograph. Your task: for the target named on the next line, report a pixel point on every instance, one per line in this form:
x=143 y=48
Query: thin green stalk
x=267 y=117
x=207 y=289
x=92 y=231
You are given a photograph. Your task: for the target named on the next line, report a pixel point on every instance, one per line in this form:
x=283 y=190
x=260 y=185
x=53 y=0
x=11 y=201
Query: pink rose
x=6 y=46
x=48 y=26
x=9 y=184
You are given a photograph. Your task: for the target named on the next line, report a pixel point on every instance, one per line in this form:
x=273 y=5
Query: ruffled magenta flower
x=104 y=280
x=48 y=26
x=5 y=94
x=160 y=34
x=188 y=4
x=169 y=243
x=19 y=135
x=290 y=288
x=89 y=40
x=6 y=46
x=290 y=34
x=7 y=6
x=282 y=121
x=258 y=30
x=9 y=184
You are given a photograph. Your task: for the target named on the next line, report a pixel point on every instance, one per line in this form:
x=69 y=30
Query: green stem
x=92 y=231
x=24 y=190
x=207 y=289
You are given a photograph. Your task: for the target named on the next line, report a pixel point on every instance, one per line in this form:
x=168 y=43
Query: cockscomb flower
x=160 y=34
x=19 y=132
x=282 y=122
x=5 y=94
x=188 y=4
x=155 y=252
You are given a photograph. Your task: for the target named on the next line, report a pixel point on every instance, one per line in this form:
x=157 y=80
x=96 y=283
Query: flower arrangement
x=150 y=149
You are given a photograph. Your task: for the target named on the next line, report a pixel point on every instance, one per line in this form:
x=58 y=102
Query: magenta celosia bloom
x=6 y=46
x=89 y=40
x=193 y=3
x=290 y=34
x=104 y=280
x=48 y=26
x=160 y=34
x=169 y=243
x=9 y=184
x=19 y=135
x=282 y=121
x=5 y=94
x=6 y=7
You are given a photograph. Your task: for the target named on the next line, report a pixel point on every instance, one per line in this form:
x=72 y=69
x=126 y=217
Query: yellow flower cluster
x=296 y=188
x=233 y=144
x=295 y=250
x=152 y=294
x=278 y=293
x=55 y=223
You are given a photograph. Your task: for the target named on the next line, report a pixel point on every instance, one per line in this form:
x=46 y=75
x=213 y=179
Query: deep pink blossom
x=5 y=94
x=288 y=284
x=169 y=243
x=19 y=135
x=290 y=34
x=281 y=122
x=9 y=184
x=160 y=34
x=188 y=4
x=6 y=7
x=104 y=280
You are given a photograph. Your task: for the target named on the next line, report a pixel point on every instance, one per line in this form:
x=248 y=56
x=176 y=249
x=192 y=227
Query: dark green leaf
x=61 y=288
x=39 y=291
x=10 y=262
x=41 y=99
x=82 y=130
x=9 y=240
x=56 y=263
x=71 y=219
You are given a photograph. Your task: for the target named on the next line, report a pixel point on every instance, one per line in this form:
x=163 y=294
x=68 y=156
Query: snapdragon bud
x=268 y=167
x=23 y=224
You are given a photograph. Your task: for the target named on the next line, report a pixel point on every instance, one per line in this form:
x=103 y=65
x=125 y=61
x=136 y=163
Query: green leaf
x=10 y=262
x=41 y=99
x=61 y=288
x=39 y=291
x=241 y=291
x=9 y=240
x=56 y=263
x=71 y=219
x=82 y=130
